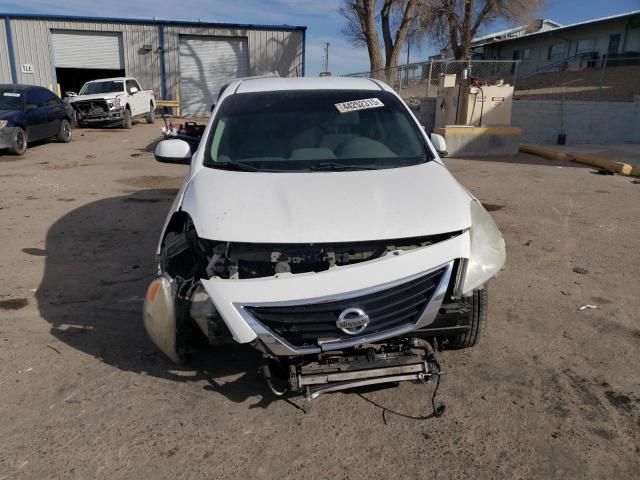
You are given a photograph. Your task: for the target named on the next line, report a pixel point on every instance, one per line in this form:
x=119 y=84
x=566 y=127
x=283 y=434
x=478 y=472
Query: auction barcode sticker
x=355 y=105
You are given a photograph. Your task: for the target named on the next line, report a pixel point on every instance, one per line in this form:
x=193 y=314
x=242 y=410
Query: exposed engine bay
x=186 y=255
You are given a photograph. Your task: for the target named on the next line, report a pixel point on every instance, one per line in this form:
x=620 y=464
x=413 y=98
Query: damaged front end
x=99 y=110
x=325 y=316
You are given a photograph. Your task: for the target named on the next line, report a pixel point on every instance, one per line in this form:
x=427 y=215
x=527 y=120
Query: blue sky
x=320 y=16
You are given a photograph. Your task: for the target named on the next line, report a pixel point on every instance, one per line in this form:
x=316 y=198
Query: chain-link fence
x=422 y=79
x=580 y=78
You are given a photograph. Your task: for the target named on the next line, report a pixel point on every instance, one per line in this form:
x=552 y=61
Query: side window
x=31 y=98
x=48 y=98
x=132 y=84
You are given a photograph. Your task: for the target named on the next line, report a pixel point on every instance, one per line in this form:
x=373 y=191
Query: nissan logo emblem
x=352 y=321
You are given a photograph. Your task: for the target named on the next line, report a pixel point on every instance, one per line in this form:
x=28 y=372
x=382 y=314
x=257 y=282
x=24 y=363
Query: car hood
x=326 y=207
x=10 y=115
x=95 y=96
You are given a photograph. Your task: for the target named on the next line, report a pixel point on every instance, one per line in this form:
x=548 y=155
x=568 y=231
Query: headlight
x=3 y=123
x=487 y=249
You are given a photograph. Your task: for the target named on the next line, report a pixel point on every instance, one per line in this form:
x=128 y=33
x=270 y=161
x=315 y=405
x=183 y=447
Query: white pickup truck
x=113 y=100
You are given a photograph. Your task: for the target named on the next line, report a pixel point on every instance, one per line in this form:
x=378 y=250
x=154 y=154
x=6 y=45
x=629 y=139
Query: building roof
x=556 y=29
x=509 y=33
x=146 y=21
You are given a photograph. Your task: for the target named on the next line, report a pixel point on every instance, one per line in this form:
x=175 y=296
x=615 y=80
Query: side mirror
x=133 y=90
x=173 y=151
x=440 y=144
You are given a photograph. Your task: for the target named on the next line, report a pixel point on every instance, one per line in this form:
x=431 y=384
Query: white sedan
x=318 y=223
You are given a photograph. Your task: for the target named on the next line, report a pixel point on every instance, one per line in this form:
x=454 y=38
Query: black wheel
x=65 y=132
x=127 y=122
x=18 y=141
x=151 y=116
x=477 y=321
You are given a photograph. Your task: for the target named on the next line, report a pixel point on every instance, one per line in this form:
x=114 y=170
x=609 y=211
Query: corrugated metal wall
x=5 y=69
x=269 y=50
x=32 y=44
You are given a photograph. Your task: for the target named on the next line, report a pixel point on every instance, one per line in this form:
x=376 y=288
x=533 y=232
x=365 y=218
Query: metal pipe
x=163 y=70
x=12 y=57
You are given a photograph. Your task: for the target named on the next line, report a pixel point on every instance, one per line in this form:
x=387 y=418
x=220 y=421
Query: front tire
x=477 y=321
x=151 y=116
x=18 y=141
x=127 y=122
x=65 y=132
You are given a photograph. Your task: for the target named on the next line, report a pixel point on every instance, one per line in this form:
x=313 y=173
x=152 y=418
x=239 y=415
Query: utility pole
x=325 y=59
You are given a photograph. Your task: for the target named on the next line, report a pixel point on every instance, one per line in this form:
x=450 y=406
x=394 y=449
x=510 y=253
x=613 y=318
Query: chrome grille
x=306 y=325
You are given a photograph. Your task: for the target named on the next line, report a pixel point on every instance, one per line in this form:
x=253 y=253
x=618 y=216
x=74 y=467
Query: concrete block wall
x=582 y=122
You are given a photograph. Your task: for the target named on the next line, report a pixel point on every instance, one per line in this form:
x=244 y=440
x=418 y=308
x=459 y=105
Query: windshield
x=102 y=87
x=10 y=100
x=314 y=130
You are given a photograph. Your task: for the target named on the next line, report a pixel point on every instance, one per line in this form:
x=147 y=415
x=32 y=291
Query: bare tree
x=397 y=19
x=454 y=23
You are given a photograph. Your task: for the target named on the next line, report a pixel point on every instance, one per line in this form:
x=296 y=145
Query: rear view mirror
x=440 y=144
x=173 y=151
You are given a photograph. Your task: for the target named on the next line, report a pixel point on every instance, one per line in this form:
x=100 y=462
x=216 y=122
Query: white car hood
x=95 y=96
x=326 y=207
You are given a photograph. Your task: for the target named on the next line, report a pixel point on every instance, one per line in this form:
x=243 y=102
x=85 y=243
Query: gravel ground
x=551 y=392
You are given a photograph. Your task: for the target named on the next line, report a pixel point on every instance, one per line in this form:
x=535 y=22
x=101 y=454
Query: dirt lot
x=552 y=392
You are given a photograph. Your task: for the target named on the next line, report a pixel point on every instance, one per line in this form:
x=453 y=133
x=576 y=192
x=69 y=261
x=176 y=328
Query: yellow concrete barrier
x=544 y=152
x=618 y=167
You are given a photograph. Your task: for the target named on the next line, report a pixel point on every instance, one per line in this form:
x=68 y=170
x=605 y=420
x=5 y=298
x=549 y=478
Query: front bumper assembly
x=101 y=117
x=6 y=136
x=230 y=300
x=362 y=368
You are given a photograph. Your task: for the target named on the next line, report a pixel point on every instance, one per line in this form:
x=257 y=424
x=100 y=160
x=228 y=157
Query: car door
x=137 y=100
x=36 y=121
x=54 y=110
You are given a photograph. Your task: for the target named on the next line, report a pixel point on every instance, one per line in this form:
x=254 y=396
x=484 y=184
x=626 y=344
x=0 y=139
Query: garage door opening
x=72 y=79
x=81 y=56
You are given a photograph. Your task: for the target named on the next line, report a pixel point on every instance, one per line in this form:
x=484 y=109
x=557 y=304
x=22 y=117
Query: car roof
x=16 y=87
x=110 y=79
x=270 y=84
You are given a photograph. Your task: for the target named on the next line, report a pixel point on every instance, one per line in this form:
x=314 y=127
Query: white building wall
x=539 y=44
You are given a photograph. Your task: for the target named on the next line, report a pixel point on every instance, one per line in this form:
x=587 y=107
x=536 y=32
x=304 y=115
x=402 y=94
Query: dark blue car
x=28 y=114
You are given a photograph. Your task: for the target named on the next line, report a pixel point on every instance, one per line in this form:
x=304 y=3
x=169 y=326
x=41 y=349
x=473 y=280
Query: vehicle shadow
x=99 y=261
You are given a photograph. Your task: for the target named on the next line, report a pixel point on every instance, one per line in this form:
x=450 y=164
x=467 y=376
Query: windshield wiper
x=237 y=166
x=334 y=166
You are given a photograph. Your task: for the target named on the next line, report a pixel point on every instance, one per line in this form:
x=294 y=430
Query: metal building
x=192 y=60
